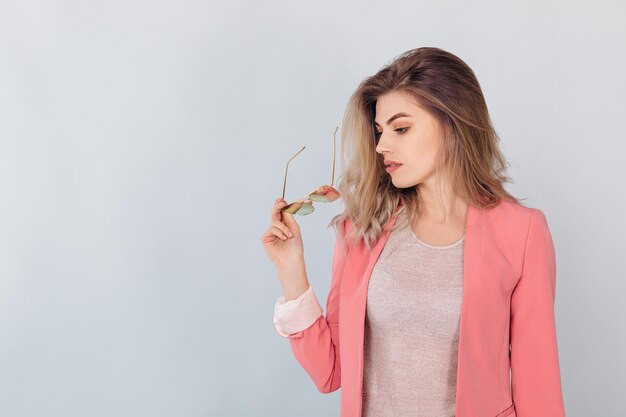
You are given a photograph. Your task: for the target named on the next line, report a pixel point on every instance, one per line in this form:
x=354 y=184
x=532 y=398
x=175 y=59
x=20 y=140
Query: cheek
x=423 y=155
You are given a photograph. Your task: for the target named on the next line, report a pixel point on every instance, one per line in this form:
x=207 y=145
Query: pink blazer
x=508 y=362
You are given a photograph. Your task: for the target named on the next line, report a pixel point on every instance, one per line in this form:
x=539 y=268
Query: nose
x=382 y=146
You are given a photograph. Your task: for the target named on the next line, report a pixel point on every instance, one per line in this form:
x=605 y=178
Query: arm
x=316 y=347
x=536 y=381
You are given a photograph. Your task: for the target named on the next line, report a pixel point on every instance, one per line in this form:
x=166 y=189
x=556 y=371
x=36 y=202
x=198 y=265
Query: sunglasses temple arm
x=285 y=180
x=287 y=168
x=332 y=178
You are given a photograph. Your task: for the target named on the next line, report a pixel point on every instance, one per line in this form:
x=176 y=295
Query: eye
x=400 y=131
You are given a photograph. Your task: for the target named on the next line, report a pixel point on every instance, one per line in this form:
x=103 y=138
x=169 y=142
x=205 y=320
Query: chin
x=398 y=183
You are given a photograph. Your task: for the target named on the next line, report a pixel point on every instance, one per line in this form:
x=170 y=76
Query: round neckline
x=428 y=245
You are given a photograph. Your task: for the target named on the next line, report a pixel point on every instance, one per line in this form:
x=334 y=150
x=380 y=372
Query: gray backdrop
x=143 y=143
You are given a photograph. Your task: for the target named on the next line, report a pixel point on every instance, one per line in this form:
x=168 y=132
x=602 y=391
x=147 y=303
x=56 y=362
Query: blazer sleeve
x=535 y=373
x=317 y=347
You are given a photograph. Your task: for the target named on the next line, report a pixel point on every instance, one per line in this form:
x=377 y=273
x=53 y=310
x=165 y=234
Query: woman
x=448 y=311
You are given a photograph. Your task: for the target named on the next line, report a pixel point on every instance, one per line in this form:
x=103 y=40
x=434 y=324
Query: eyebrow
x=394 y=117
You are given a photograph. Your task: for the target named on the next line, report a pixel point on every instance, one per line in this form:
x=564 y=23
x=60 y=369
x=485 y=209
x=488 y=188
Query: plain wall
x=142 y=146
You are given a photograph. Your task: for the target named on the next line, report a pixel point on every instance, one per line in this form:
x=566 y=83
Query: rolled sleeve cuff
x=296 y=315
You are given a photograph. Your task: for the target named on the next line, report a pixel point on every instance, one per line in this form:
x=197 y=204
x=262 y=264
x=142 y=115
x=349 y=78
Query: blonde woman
x=441 y=300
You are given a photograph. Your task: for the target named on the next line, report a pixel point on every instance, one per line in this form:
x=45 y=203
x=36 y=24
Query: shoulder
x=509 y=222
x=343 y=227
x=511 y=213
x=512 y=228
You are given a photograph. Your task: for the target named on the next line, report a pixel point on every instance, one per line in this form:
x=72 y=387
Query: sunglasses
x=323 y=194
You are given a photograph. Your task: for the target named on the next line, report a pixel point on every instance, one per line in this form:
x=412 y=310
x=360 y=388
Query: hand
x=282 y=240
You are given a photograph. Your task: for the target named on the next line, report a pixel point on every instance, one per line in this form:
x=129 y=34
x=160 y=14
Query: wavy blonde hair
x=469 y=158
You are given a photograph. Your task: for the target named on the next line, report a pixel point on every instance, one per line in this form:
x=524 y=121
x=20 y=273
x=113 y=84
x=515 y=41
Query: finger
x=270 y=236
x=278 y=205
x=290 y=221
x=278 y=233
x=280 y=225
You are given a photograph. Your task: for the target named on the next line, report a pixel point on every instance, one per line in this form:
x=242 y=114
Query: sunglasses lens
x=299 y=207
x=324 y=194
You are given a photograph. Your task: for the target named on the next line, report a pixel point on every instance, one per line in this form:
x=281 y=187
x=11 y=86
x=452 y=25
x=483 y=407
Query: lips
x=388 y=163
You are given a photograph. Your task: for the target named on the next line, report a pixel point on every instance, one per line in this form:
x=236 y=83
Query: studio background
x=142 y=146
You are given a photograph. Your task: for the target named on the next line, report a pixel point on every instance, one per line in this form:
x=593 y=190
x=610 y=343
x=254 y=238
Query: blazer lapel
x=467 y=390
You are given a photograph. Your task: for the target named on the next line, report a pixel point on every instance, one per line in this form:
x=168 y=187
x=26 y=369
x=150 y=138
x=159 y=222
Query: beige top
x=412 y=328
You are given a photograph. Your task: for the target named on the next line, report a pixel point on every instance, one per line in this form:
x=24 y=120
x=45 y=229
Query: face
x=409 y=135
